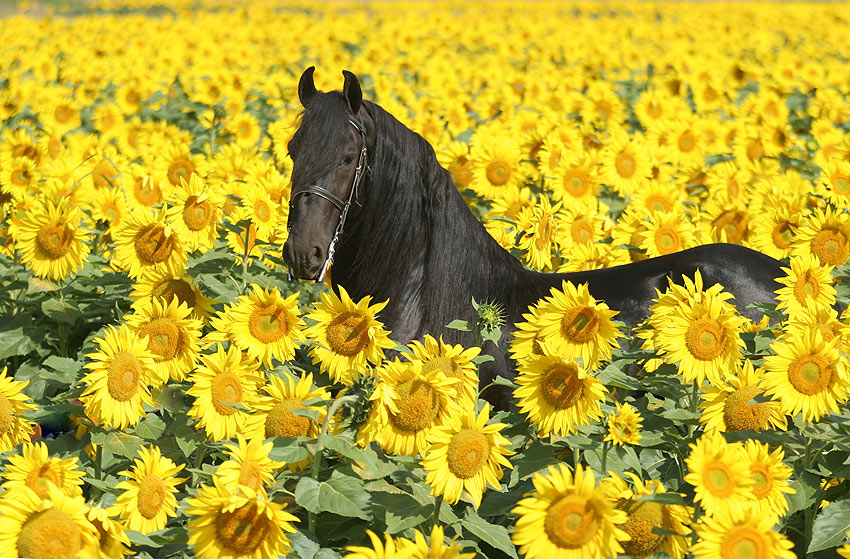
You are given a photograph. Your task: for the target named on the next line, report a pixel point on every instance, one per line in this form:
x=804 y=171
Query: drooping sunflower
x=770 y=479
x=50 y=239
x=495 y=164
x=249 y=468
x=807 y=375
x=726 y=406
x=737 y=534
x=169 y=286
x=148 y=497
x=172 y=335
x=118 y=382
x=435 y=547
x=33 y=468
x=223 y=381
x=624 y=425
x=824 y=233
x=148 y=242
x=52 y=526
x=575 y=325
x=644 y=517
x=557 y=394
x=568 y=516
x=807 y=283
x=226 y=524
x=454 y=361
x=194 y=213
x=348 y=335
x=465 y=455
x=719 y=473
x=14 y=404
x=265 y=325
x=113 y=541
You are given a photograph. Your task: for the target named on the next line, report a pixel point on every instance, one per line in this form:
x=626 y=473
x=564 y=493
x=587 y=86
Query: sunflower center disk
x=242 y=530
x=743 y=543
x=348 y=333
x=50 y=534
x=782 y=235
x=54 y=240
x=147 y=192
x=250 y=474
x=281 y=422
x=467 y=453
x=580 y=324
x=810 y=374
x=418 y=405
x=152 y=493
x=6 y=415
x=643 y=517
x=196 y=215
x=40 y=479
x=262 y=211
x=717 y=479
x=561 y=386
x=705 y=339
x=831 y=247
x=544 y=233
x=444 y=364
x=152 y=246
x=667 y=240
x=738 y=415
x=841 y=185
x=180 y=169
x=124 y=376
x=571 y=522
x=498 y=173
x=626 y=166
x=163 y=338
x=762 y=480
x=179 y=288
x=806 y=288
x=268 y=324
x=576 y=185
x=226 y=389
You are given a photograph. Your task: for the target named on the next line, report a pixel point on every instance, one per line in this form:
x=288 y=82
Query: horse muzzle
x=304 y=262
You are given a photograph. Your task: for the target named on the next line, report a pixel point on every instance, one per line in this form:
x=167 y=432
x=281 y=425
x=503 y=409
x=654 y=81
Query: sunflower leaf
x=341 y=494
x=830 y=526
x=493 y=534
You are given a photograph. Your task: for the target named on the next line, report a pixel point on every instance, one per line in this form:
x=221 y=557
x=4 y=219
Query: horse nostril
x=317 y=258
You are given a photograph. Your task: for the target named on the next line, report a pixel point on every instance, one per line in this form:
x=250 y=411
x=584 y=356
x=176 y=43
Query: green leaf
x=150 y=428
x=806 y=486
x=462 y=325
x=681 y=415
x=61 y=310
x=502 y=381
x=401 y=511
x=665 y=498
x=536 y=457
x=613 y=377
x=493 y=534
x=341 y=494
x=14 y=342
x=66 y=369
x=288 y=450
x=304 y=545
x=365 y=462
x=830 y=525
x=137 y=538
x=119 y=443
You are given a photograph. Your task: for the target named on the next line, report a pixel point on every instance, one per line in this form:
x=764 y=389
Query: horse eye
x=349 y=159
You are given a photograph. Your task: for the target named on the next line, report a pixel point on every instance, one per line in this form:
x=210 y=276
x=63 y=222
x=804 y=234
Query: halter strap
x=338 y=203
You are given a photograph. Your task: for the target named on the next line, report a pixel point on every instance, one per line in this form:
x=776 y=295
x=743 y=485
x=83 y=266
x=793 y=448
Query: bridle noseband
x=338 y=203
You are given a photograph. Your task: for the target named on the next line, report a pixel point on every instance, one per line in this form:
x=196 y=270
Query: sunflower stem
x=98 y=461
x=438 y=502
x=606 y=445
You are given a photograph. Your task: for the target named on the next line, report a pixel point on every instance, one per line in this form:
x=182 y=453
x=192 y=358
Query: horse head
x=330 y=153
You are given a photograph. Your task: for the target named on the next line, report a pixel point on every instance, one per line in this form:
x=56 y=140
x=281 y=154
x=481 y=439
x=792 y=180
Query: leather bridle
x=338 y=203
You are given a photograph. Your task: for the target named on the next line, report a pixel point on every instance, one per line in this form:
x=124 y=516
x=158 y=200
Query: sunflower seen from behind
x=466 y=455
x=35 y=469
x=347 y=334
x=50 y=239
x=14 y=404
x=148 y=497
x=567 y=516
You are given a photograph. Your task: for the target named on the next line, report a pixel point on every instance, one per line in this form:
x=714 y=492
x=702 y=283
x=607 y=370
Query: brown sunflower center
x=445 y=364
x=64 y=113
x=743 y=542
x=40 y=478
x=498 y=173
x=461 y=170
x=762 y=480
x=54 y=240
x=625 y=164
x=739 y=415
x=7 y=415
x=164 y=337
x=146 y=191
x=104 y=175
x=580 y=324
x=561 y=386
x=418 y=405
x=152 y=245
x=197 y=215
x=717 y=478
x=243 y=530
x=667 y=240
x=841 y=185
x=268 y=323
x=281 y=422
x=124 y=376
x=658 y=203
x=782 y=234
x=225 y=389
x=467 y=453
x=734 y=223
x=50 y=534
x=170 y=288
x=581 y=230
x=181 y=168
x=810 y=374
x=687 y=142
x=643 y=517
x=705 y=339
x=262 y=211
x=348 y=333
x=831 y=246
x=576 y=183
x=20 y=176
x=755 y=149
x=152 y=494
x=806 y=288
x=250 y=474
x=572 y=522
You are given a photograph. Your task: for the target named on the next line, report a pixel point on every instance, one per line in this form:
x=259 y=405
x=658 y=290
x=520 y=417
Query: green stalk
x=606 y=445
x=438 y=502
x=315 y=467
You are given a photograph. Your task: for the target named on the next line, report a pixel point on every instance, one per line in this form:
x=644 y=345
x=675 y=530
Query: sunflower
x=568 y=516
x=686 y=144
x=147 y=242
x=264 y=213
x=244 y=128
x=464 y=455
x=434 y=548
x=808 y=284
x=50 y=526
x=726 y=405
x=176 y=163
x=624 y=426
x=823 y=319
x=221 y=383
x=18 y=176
x=806 y=374
x=770 y=479
x=576 y=178
x=719 y=473
x=495 y=165
x=737 y=534
x=528 y=341
x=539 y=228
x=388 y=549
x=14 y=404
x=172 y=335
x=454 y=361
x=147 y=191
x=625 y=164
x=557 y=394
x=824 y=233
x=627 y=233
x=241 y=237
x=109 y=206
x=168 y=286
x=50 y=239
x=726 y=220
x=666 y=233
x=113 y=541
x=575 y=325
x=347 y=335
x=772 y=231
x=120 y=371
x=656 y=197
x=836 y=183
x=227 y=524
x=265 y=325
x=148 y=497
x=35 y=470
x=249 y=468
x=194 y=213
x=646 y=518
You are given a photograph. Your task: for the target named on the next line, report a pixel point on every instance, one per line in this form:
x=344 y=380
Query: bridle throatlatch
x=338 y=203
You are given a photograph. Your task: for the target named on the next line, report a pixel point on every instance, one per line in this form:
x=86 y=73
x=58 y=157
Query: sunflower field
x=167 y=391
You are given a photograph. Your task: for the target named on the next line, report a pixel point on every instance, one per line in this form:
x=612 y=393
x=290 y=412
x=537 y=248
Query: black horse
x=409 y=236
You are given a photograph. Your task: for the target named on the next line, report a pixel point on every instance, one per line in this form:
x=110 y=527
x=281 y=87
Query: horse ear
x=352 y=92
x=306 y=87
